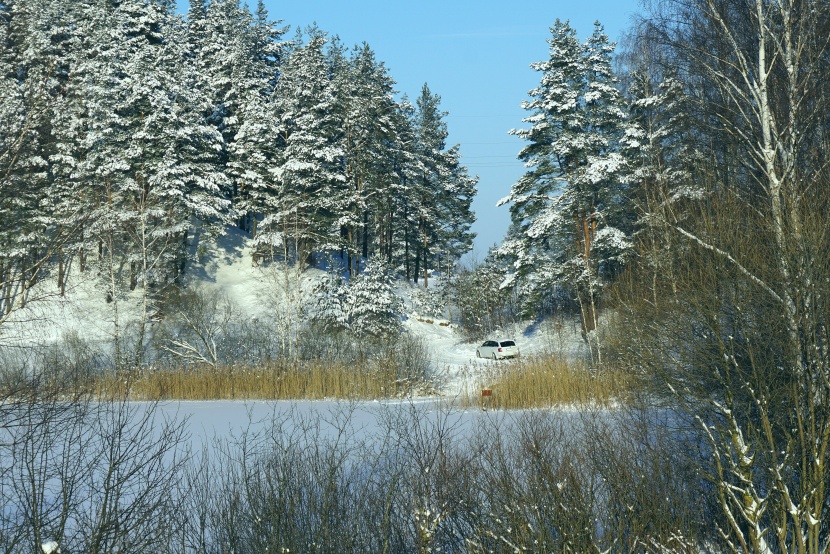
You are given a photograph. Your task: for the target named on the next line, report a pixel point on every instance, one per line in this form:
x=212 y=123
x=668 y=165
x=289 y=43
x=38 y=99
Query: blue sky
x=476 y=56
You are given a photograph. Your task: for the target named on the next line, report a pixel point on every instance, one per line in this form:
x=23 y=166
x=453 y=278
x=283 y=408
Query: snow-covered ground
x=259 y=292
x=265 y=293
x=459 y=371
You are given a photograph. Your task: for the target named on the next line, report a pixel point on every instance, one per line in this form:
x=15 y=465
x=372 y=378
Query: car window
x=508 y=343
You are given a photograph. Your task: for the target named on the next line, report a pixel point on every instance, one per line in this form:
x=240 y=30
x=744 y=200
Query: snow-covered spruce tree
x=252 y=151
x=69 y=204
x=34 y=45
x=222 y=43
x=23 y=106
x=365 y=306
x=570 y=205
x=327 y=304
x=373 y=308
x=453 y=201
x=147 y=167
x=431 y=134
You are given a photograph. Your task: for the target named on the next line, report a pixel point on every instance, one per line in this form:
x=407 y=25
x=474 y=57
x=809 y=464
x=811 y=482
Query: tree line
x=134 y=134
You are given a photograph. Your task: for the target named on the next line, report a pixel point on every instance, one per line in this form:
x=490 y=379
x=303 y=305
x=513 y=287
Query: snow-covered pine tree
x=442 y=189
x=252 y=151
x=366 y=104
x=235 y=56
x=570 y=207
x=398 y=226
x=309 y=174
x=454 y=200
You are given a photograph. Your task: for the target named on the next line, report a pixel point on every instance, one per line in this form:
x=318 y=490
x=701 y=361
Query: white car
x=498 y=349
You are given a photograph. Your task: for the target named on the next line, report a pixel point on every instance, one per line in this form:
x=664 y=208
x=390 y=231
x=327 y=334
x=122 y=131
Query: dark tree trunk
x=417 y=263
x=133 y=276
x=366 y=235
x=61 y=273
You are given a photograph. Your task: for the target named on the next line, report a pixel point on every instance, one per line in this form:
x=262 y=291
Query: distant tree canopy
x=129 y=129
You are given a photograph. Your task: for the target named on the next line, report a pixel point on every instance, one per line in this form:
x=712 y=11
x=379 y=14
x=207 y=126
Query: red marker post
x=486 y=398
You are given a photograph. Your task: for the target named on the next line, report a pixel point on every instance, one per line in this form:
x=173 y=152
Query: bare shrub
x=70 y=363
x=91 y=476
x=406 y=357
x=653 y=497
x=306 y=482
x=198 y=321
x=424 y=480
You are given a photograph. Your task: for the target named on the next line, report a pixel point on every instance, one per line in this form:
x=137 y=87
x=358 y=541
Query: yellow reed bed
x=544 y=381
x=276 y=381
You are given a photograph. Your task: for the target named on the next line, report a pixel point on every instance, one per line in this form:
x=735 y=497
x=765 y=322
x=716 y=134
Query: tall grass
x=543 y=381
x=280 y=380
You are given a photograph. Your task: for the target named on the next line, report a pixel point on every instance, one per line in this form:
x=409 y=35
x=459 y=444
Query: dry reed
x=545 y=381
x=274 y=381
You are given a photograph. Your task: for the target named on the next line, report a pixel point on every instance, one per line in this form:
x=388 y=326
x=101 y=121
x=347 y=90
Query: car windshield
x=508 y=343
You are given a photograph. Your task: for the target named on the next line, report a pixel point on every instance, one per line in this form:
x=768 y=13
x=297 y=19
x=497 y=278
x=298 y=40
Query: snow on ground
x=258 y=291
x=458 y=369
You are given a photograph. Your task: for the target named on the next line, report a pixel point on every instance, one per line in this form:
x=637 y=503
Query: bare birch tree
x=745 y=349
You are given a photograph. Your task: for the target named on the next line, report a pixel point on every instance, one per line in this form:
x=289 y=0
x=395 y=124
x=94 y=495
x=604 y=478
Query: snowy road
x=459 y=371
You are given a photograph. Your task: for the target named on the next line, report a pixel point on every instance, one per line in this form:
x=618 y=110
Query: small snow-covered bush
x=429 y=302
x=327 y=304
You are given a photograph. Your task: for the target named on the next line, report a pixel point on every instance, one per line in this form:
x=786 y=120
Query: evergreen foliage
x=570 y=209
x=443 y=190
x=365 y=306
x=373 y=305
x=130 y=130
